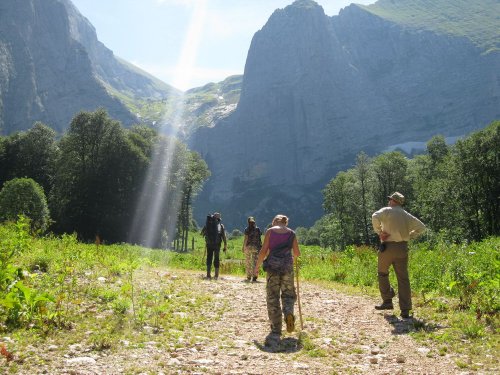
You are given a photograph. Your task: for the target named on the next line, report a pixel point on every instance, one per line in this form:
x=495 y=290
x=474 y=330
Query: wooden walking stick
x=204 y=253
x=298 y=293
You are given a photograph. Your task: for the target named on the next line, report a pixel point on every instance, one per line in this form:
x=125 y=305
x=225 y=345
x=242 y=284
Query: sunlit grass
x=103 y=295
x=480 y=23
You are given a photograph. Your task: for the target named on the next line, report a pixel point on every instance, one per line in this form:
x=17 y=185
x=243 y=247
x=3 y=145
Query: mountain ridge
x=316 y=90
x=52 y=66
x=319 y=89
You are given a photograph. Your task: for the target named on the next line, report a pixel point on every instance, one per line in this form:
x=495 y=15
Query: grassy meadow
x=48 y=284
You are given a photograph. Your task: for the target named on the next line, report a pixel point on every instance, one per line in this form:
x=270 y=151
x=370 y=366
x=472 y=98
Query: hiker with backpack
x=277 y=256
x=251 y=246
x=214 y=234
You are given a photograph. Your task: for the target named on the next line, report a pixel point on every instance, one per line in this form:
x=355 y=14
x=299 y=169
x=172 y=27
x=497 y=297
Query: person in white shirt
x=395 y=227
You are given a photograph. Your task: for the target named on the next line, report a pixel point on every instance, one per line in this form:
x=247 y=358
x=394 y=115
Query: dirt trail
x=346 y=329
x=342 y=334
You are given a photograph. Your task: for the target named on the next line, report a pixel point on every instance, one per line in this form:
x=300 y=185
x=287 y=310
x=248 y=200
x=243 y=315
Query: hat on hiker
x=397 y=197
x=217 y=215
x=251 y=219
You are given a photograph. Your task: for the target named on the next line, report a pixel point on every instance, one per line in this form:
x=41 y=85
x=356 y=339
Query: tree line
x=91 y=178
x=453 y=189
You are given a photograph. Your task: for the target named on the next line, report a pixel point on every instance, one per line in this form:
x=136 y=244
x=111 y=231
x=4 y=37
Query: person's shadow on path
x=285 y=345
x=412 y=324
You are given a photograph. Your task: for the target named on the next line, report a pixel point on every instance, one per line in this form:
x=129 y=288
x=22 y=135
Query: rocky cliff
x=52 y=66
x=318 y=89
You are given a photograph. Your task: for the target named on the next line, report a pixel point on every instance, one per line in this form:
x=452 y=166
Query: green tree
x=437 y=149
x=144 y=138
x=455 y=190
x=99 y=173
x=477 y=179
x=309 y=236
x=390 y=172
x=363 y=174
x=301 y=234
x=30 y=154
x=194 y=174
x=9 y=149
x=23 y=196
x=434 y=193
x=339 y=200
x=328 y=232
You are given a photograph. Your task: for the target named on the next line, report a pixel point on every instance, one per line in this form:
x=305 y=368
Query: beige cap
x=398 y=197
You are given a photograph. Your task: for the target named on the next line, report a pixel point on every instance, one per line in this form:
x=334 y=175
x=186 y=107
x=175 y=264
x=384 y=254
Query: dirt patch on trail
x=342 y=334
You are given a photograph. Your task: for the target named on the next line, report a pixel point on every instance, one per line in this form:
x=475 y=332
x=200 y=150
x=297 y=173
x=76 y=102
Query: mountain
x=204 y=106
x=317 y=90
x=52 y=66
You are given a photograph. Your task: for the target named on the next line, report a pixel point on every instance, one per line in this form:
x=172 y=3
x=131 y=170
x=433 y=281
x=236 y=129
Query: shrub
x=23 y=196
x=236 y=233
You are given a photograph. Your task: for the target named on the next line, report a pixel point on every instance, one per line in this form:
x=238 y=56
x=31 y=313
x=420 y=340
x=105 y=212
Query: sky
x=186 y=43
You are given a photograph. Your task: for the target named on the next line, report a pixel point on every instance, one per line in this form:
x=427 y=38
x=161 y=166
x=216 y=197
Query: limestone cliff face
x=110 y=69
x=430 y=83
x=317 y=90
x=52 y=66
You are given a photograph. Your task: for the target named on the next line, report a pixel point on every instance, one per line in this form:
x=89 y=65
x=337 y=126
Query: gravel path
x=342 y=334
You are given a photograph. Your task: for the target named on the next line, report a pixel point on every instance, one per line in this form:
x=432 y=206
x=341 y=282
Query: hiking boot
x=216 y=276
x=290 y=323
x=254 y=279
x=405 y=314
x=386 y=305
x=248 y=279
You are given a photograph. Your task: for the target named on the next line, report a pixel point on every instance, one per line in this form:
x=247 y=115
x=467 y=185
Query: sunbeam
x=185 y=65
x=158 y=205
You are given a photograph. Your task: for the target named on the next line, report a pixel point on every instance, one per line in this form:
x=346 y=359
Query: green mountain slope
x=477 y=20
x=201 y=107
x=205 y=105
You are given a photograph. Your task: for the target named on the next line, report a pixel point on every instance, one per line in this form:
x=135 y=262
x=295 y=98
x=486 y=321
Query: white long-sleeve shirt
x=399 y=224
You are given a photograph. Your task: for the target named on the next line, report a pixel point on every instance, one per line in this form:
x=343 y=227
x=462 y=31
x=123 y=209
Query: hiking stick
x=204 y=253
x=298 y=293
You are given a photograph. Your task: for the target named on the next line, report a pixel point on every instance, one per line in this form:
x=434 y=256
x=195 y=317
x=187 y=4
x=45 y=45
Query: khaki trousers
x=395 y=254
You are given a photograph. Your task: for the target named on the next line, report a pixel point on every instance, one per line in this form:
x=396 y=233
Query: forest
x=89 y=180
x=57 y=281
x=453 y=189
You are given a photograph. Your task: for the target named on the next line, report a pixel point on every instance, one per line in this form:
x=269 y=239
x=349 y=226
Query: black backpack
x=212 y=230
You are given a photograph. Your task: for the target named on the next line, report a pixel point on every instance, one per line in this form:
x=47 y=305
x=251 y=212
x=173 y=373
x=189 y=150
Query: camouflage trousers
x=251 y=254
x=284 y=287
